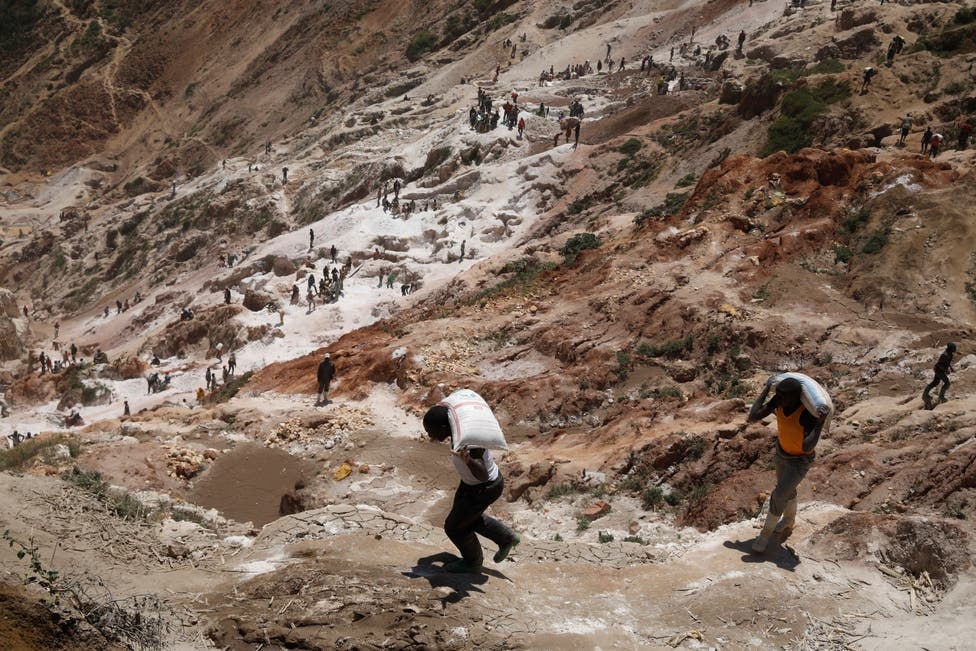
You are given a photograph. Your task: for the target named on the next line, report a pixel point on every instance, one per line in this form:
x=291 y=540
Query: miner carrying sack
x=803 y=409
x=467 y=421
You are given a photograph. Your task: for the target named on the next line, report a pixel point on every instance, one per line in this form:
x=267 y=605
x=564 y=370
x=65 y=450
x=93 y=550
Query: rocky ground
x=621 y=373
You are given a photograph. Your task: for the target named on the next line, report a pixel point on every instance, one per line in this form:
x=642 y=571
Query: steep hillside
x=183 y=181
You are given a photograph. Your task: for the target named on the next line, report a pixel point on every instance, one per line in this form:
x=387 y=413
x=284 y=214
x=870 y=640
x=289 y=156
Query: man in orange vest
x=798 y=435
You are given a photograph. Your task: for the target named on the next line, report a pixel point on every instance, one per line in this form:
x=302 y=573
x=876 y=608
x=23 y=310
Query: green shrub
x=130 y=225
x=645 y=215
x=651 y=497
x=686 y=180
x=623 y=364
x=559 y=490
x=17 y=456
x=667 y=392
x=579 y=205
x=17 y=21
x=501 y=19
x=136 y=186
x=843 y=253
x=421 y=44
x=121 y=503
x=580 y=242
x=457 y=25
x=673 y=202
x=825 y=67
x=855 y=221
x=700 y=492
x=604 y=537
x=876 y=242
x=696 y=447
x=965 y=15
x=799 y=108
x=527 y=272
x=670 y=348
x=582 y=523
x=673 y=498
x=635 y=539
x=229 y=390
x=631 y=147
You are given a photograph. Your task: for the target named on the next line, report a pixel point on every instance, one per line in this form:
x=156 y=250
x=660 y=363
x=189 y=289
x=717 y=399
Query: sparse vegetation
x=651 y=498
x=800 y=107
x=577 y=243
x=119 y=502
x=421 y=44
x=700 y=491
x=853 y=223
x=696 y=447
x=670 y=348
x=877 y=241
x=17 y=457
x=824 y=67
x=561 y=490
x=17 y=20
x=686 y=180
x=527 y=272
x=630 y=147
x=229 y=390
x=843 y=253
x=623 y=364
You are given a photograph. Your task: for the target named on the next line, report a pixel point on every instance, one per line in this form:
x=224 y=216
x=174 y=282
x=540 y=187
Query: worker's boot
x=759 y=544
x=785 y=525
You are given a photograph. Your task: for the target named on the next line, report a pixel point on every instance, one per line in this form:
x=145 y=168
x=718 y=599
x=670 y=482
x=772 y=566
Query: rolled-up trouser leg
x=790 y=471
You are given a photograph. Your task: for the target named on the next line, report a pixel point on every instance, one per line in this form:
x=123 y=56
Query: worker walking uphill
x=798 y=432
x=942 y=369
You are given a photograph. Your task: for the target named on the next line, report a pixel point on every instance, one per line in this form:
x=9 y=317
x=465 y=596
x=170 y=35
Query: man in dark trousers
x=942 y=369
x=481 y=485
x=798 y=432
x=324 y=375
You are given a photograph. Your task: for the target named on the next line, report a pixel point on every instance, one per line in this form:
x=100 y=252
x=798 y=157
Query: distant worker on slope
x=869 y=74
x=906 y=127
x=324 y=375
x=942 y=369
x=802 y=408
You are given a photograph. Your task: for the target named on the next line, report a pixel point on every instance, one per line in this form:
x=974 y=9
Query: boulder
x=860 y=42
x=759 y=95
x=850 y=18
x=519 y=479
x=762 y=53
x=787 y=62
x=8 y=304
x=255 y=300
x=731 y=92
x=283 y=266
x=682 y=371
x=11 y=345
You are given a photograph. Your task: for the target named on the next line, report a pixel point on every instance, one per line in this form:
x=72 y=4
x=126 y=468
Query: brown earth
x=615 y=372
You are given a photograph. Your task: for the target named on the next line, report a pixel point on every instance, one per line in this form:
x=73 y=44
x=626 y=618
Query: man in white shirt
x=481 y=485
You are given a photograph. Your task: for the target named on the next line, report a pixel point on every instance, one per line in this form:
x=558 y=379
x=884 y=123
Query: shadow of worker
x=432 y=569
x=777 y=552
